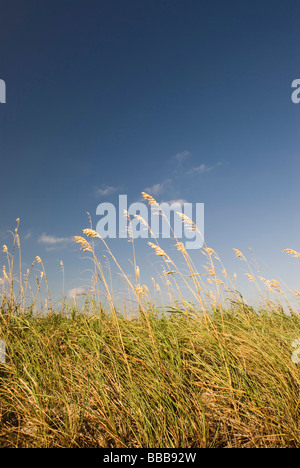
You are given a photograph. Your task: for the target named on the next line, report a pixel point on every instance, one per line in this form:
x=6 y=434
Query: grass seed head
x=292 y=252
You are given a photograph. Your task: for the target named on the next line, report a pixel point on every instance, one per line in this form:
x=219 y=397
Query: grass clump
x=212 y=372
x=226 y=382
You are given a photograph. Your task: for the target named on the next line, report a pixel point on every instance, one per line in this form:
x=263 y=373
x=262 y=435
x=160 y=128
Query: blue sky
x=189 y=99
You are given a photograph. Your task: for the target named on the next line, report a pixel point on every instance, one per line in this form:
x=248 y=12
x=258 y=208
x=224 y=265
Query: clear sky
x=189 y=100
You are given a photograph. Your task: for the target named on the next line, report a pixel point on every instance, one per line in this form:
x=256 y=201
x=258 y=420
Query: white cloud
x=105 y=190
x=182 y=156
x=203 y=168
x=53 y=240
x=200 y=169
x=181 y=201
x=72 y=293
x=157 y=189
x=28 y=235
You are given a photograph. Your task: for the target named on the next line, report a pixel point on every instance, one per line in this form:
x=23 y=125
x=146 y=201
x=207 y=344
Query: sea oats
x=209 y=250
x=149 y=199
x=219 y=281
x=18 y=240
x=251 y=277
x=91 y=233
x=185 y=218
x=141 y=219
x=239 y=254
x=224 y=272
x=292 y=252
x=267 y=282
x=171 y=272
x=275 y=284
x=158 y=250
x=38 y=259
x=141 y=290
x=4 y=272
x=156 y=285
x=271 y=284
x=85 y=246
x=180 y=247
x=5 y=249
x=210 y=270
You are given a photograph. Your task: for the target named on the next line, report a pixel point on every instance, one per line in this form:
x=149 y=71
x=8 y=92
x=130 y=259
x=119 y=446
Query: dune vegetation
x=211 y=372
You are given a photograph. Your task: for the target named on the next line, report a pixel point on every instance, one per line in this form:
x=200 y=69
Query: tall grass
x=206 y=372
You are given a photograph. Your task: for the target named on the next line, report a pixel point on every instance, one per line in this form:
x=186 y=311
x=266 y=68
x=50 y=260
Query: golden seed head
x=38 y=259
x=251 y=278
x=186 y=219
x=210 y=270
x=271 y=284
x=239 y=254
x=275 y=284
x=292 y=252
x=91 y=233
x=158 y=250
x=209 y=250
x=142 y=220
x=18 y=240
x=5 y=249
x=141 y=290
x=180 y=247
x=85 y=246
x=149 y=199
x=4 y=272
x=225 y=273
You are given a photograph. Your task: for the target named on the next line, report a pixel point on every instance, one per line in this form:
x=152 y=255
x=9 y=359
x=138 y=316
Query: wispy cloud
x=72 y=293
x=182 y=156
x=105 y=190
x=158 y=189
x=181 y=201
x=202 y=168
x=28 y=235
x=53 y=242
